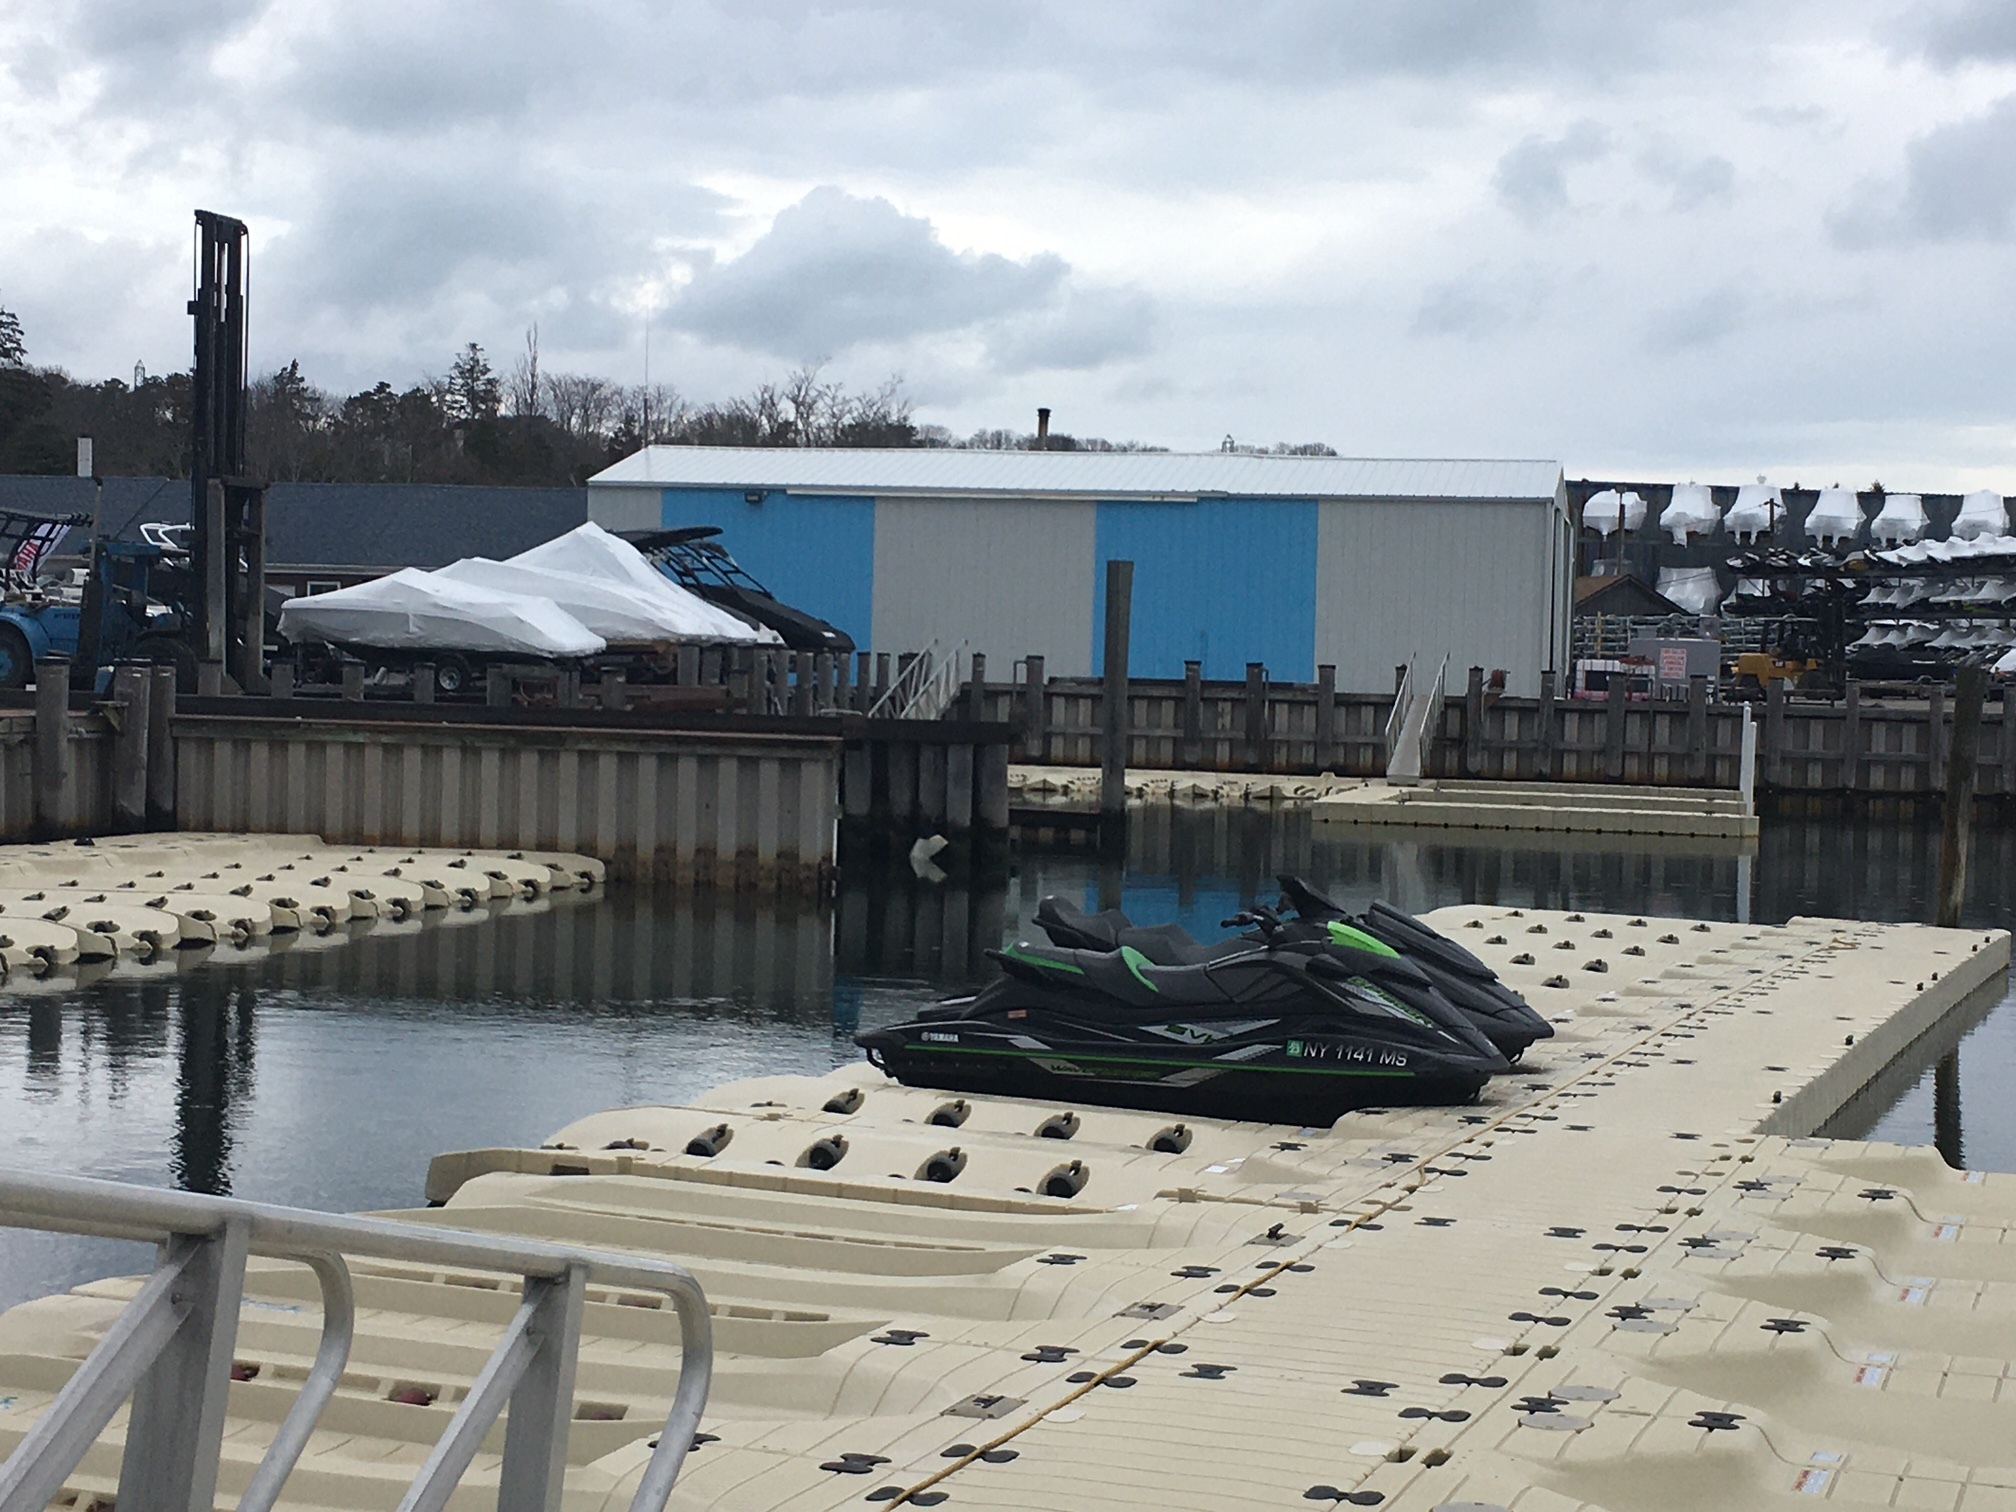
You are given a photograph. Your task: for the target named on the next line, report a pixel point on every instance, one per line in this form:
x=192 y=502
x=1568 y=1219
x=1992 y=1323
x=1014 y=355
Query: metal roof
x=1104 y=475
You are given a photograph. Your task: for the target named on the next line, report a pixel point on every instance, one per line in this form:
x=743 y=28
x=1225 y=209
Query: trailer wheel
x=17 y=662
x=452 y=674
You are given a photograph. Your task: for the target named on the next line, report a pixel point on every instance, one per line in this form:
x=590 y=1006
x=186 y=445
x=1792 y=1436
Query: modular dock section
x=1628 y=1278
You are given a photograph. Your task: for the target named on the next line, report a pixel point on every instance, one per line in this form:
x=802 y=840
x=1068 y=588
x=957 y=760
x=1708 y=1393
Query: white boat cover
x=1692 y=588
x=411 y=610
x=589 y=551
x=2007 y=663
x=1756 y=511
x=614 y=611
x=1902 y=518
x=1609 y=511
x=1981 y=514
x=1836 y=516
x=1692 y=512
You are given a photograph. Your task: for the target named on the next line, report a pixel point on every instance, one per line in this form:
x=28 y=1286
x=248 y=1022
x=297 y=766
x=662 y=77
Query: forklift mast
x=227 y=558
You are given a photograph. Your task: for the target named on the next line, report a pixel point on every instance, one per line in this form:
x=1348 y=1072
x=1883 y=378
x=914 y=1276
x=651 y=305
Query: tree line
x=526 y=427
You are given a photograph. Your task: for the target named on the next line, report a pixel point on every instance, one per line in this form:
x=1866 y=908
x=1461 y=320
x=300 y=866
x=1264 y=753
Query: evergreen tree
x=474 y=391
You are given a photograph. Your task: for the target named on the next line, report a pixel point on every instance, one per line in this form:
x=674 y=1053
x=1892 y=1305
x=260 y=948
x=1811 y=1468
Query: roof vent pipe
x=1042 y=429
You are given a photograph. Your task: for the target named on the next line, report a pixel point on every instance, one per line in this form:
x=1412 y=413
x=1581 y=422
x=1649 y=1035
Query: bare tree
x=579 y=403
x=521 y=389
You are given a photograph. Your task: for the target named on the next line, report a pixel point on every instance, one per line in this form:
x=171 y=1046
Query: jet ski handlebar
x=1260 y=917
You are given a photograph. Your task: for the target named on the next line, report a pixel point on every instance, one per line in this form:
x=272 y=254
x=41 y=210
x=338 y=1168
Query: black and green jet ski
x=1278 y=1035
x=1393 y=952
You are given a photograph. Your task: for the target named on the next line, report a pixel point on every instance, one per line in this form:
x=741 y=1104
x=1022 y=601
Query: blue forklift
x=127 y=603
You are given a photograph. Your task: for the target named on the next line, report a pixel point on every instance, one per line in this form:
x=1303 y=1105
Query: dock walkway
x=1628 y=1278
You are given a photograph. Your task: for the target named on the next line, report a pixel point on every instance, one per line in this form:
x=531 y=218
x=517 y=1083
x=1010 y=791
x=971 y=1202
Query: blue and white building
x=1291 y=561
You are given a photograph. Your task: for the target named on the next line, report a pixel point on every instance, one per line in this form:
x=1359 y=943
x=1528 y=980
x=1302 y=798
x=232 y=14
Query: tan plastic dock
x=150 y=902
x=1625 y=1280
x=1590 y=808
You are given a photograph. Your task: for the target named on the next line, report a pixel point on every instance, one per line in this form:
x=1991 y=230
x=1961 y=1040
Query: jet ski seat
x=1164 y=944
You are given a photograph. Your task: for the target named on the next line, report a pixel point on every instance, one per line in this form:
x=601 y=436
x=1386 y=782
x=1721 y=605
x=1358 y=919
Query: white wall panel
x=1412 y=579
x=1010 y=577
x=627 y=508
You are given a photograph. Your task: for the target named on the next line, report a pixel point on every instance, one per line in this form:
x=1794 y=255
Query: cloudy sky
x=1688 y=238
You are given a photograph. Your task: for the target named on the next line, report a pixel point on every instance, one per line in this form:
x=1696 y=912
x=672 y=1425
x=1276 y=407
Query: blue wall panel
x=815 y=552
x=1221 y=581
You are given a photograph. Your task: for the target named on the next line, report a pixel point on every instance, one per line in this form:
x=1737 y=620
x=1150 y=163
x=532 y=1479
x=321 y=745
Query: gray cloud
x=1693 y=181
x=835 y=270
x=1698 y=322
x=1959 y=183
x=1482 y=304
x=1962 y=31
x=1086 y=329
x=1532 y=178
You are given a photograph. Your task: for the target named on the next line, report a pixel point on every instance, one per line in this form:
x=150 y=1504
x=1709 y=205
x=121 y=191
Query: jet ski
x=1266 y=1033
x=1457 y=974
x=1391 y=951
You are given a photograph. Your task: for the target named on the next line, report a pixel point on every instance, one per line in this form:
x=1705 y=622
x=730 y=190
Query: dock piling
x=1697 y=728
x=1970 y=692
x=1113 y=768
x=132 y=692
x=1473 y=724
x=1035 y=708
x=1256 y=715
x=52 y=743
x=161 y=749
x=1614 y=715
x=1326 y=716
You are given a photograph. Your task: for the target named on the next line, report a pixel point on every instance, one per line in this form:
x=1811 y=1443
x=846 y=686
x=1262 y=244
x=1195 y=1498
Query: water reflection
x=326 y=1071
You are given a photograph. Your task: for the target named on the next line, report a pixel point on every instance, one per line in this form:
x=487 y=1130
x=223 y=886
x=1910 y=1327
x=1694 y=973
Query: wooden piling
x=1256 y=715
x=132 y=693
x=1545 y=737
x=161 y=749
x=801 y=683
x=1697 y=729
x=958 y=788
x=1119 y=621
x=881 y=676
x=686 y=665
x=976 y=688
x=1035 y=711
x=1970 y=692
x=1851 y=736
x=1193 y=713
x=991 y=789
x=1613 y=730
x=931 y=786
x=283 y=679
x=52 y=744
x=1473 y=724
x=1326 y=717
x=901 y=768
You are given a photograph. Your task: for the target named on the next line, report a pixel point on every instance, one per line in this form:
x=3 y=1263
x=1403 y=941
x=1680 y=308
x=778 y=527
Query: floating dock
x=170 y=901
x=1582 y=808
x=1628 y=1278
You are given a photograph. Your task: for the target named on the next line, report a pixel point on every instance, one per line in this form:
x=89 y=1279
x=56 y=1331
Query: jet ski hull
x=1291 y=1076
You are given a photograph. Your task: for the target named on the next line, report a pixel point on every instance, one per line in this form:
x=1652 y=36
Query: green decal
x=1295 y=1047
x=1018 y=953
x=1357 y=939
x=1135 y=961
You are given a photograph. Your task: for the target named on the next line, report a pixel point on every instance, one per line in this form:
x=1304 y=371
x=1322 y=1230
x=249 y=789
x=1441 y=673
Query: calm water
x=327 y=1074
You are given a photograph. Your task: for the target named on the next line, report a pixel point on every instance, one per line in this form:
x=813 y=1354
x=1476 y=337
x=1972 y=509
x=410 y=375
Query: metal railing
x=1431 y=725
x=171 y=1350
x=925 y=686
x=1396 y=717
